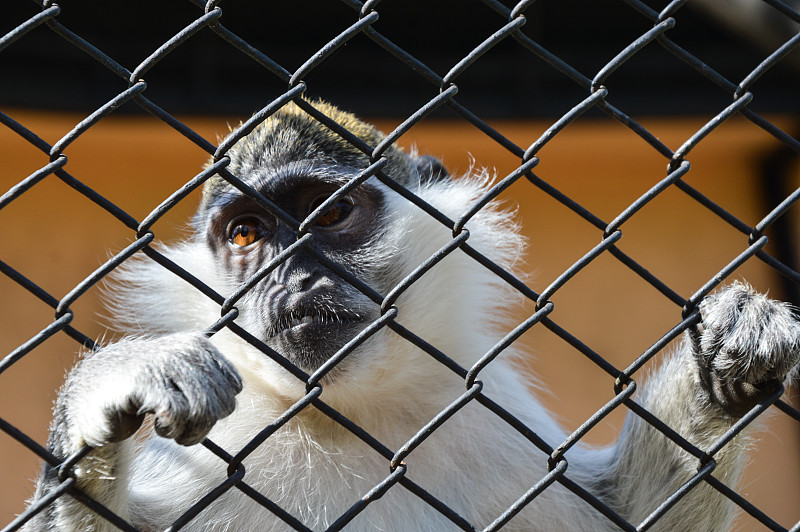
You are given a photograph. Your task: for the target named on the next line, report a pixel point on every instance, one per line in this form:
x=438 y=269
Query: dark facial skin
x=301 y=309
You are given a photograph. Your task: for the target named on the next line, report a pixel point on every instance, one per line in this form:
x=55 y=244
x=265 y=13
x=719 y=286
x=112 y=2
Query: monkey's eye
x=337 y=213
x=245 y=231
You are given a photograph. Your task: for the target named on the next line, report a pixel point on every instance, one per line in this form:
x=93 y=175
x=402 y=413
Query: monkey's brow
x=285 y=180
x=280 y=183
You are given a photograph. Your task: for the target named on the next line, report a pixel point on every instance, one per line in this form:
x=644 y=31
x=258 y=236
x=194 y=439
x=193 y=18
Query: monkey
x=193 y=385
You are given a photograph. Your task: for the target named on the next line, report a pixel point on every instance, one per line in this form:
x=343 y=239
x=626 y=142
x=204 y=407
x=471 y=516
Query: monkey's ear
x=430 y=169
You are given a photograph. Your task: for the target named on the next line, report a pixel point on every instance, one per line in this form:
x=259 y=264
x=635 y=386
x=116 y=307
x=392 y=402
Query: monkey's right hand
x=181 y=379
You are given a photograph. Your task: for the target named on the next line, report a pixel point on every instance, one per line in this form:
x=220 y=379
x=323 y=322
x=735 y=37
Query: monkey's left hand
x=745 y=346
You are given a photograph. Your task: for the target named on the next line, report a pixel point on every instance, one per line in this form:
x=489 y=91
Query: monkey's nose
x=297 y=281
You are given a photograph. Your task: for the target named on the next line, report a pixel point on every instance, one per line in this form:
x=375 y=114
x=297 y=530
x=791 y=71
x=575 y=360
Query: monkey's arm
x=739 y=354
x=179 y=378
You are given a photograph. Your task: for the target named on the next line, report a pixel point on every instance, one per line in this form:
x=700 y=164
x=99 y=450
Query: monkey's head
x=302 y=309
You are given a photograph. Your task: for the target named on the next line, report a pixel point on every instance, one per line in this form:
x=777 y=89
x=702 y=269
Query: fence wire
x=510 y=24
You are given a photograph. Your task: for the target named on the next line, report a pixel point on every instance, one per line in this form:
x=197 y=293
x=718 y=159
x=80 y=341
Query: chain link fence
x=739 y=97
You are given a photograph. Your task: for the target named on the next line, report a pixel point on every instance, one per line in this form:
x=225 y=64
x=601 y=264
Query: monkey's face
x=301 y=308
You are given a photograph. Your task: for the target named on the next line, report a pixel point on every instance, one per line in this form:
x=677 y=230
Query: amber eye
x=337 y=213
x=245 y=232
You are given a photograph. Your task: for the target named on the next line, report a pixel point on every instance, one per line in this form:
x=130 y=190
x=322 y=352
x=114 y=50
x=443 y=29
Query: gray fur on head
x=293 y=137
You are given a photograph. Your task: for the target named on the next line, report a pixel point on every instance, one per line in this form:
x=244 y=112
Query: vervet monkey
x=222 y=387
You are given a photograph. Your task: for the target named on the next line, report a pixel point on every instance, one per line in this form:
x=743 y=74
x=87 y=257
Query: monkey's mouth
x=309 y=335
x=302 y=321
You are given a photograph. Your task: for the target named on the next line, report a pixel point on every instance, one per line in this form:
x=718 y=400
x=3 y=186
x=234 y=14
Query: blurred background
x=56 y=237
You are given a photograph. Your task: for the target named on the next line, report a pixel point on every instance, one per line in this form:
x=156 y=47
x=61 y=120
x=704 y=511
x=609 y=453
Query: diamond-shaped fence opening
x=632 y=216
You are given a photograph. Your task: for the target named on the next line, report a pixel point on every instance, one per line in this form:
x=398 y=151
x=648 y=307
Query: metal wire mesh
x=598 y=93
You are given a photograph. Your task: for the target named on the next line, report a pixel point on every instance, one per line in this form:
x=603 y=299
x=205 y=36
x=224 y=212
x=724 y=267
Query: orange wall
x=56 y=238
